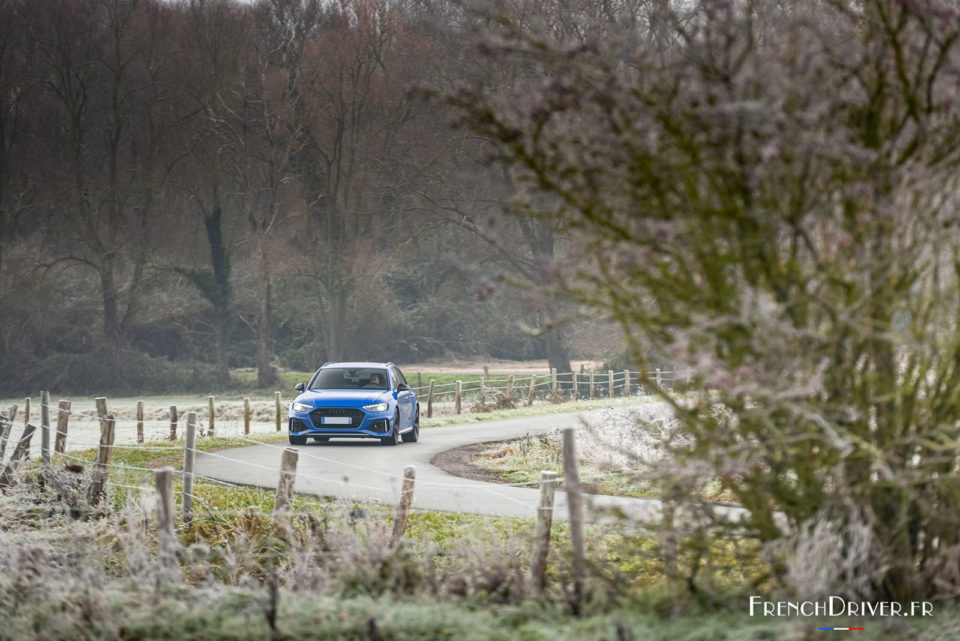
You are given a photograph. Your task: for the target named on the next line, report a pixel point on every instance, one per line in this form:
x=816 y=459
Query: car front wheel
x=413 y=435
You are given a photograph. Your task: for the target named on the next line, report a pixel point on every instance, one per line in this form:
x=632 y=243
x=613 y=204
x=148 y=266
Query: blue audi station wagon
x=358 y=400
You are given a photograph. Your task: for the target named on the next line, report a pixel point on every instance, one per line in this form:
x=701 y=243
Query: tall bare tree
x=350 y=111
x=217 y=35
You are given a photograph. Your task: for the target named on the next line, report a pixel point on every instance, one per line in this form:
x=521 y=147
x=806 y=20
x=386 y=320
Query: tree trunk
x=222 y=329
x=335 y=332
x=215 y=287
x=557 y=354
x=111 y=317
x=266 y=373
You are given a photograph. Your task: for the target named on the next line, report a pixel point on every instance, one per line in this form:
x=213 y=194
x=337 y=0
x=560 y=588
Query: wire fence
x=127 y=477
x=126 y=483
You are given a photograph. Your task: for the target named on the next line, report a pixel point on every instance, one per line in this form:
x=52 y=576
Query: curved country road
x=365 y=470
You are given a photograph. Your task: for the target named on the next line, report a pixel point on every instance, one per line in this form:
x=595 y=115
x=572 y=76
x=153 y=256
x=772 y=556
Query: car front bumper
x=331 y=421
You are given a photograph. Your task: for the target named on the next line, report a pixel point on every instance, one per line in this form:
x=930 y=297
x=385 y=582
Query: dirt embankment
x=459 y=462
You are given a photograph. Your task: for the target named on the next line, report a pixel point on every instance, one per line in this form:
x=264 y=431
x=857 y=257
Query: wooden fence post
x=26 y=411
x=592 y=390
x=98 y=484
x=101 y=402
x=6 y=425
x=553 y=385
x=575 y=394
x=63 y=422
x=483 y=395
x=246 y=415
x=139 y=421
x=510 y=386
x=658 y=380
x=100 y=471
x=626 y=382
x=610 y=382
x=45 y=432
x=430 y=400
x=211 y=415
x=533 y=389
x=173 y=422
x=403 y=510
x=19 y=452
x=459 y=396
x=288 y=476
x=279 y=421
x=419 y=380
x=571 y=484
x=486 y=374
x=165 y=516
x=189 y=452
x=541 y=537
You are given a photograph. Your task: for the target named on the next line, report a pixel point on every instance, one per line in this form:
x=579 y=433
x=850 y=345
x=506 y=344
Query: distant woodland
x=189 y=187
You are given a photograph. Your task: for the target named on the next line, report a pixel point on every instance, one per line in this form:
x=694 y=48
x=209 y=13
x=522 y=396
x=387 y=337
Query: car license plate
x=336 y=420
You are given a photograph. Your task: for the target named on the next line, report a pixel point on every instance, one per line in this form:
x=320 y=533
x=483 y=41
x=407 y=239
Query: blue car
x=359 y=400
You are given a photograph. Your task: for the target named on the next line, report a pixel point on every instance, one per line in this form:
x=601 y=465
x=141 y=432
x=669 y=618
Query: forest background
x=190 y=187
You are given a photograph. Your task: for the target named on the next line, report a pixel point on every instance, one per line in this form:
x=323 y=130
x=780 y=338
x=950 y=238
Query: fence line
x=470 y=392
x=101 y=484
x=552 y=388
x=490 y=488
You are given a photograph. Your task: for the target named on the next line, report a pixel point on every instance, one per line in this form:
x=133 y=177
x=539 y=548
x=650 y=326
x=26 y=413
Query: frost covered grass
x=329 y=573
x=329 y=578
x=519 y=411
x=240 y=574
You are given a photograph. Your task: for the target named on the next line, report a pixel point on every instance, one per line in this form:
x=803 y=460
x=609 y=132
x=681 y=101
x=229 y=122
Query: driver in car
x=374 y=380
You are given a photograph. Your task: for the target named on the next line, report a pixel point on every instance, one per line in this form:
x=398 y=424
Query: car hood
x=351 y=397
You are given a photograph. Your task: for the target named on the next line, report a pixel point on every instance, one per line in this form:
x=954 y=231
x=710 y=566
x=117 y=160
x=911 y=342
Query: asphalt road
x=365 y=470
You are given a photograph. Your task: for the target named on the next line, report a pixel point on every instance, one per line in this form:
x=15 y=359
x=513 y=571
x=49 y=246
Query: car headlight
x=376 y=407
x=300 y=407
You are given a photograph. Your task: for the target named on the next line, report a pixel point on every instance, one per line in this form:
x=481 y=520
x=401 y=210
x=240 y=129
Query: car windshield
x=372 y=378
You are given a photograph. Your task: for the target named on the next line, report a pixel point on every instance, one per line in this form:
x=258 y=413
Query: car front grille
x=356 y=416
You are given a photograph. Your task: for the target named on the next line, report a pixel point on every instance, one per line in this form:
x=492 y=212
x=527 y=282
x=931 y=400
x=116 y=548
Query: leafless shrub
x=832 y=554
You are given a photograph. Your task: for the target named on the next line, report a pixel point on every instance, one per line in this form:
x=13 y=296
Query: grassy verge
x=521 y=461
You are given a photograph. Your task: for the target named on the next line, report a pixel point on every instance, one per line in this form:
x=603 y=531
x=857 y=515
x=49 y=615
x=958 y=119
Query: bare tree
x=16 y=188
x=96 y=68
x=350 y=110
x=216 y=53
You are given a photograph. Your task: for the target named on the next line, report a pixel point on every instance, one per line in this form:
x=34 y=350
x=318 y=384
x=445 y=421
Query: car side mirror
x=403 y=387
x=300 y=387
